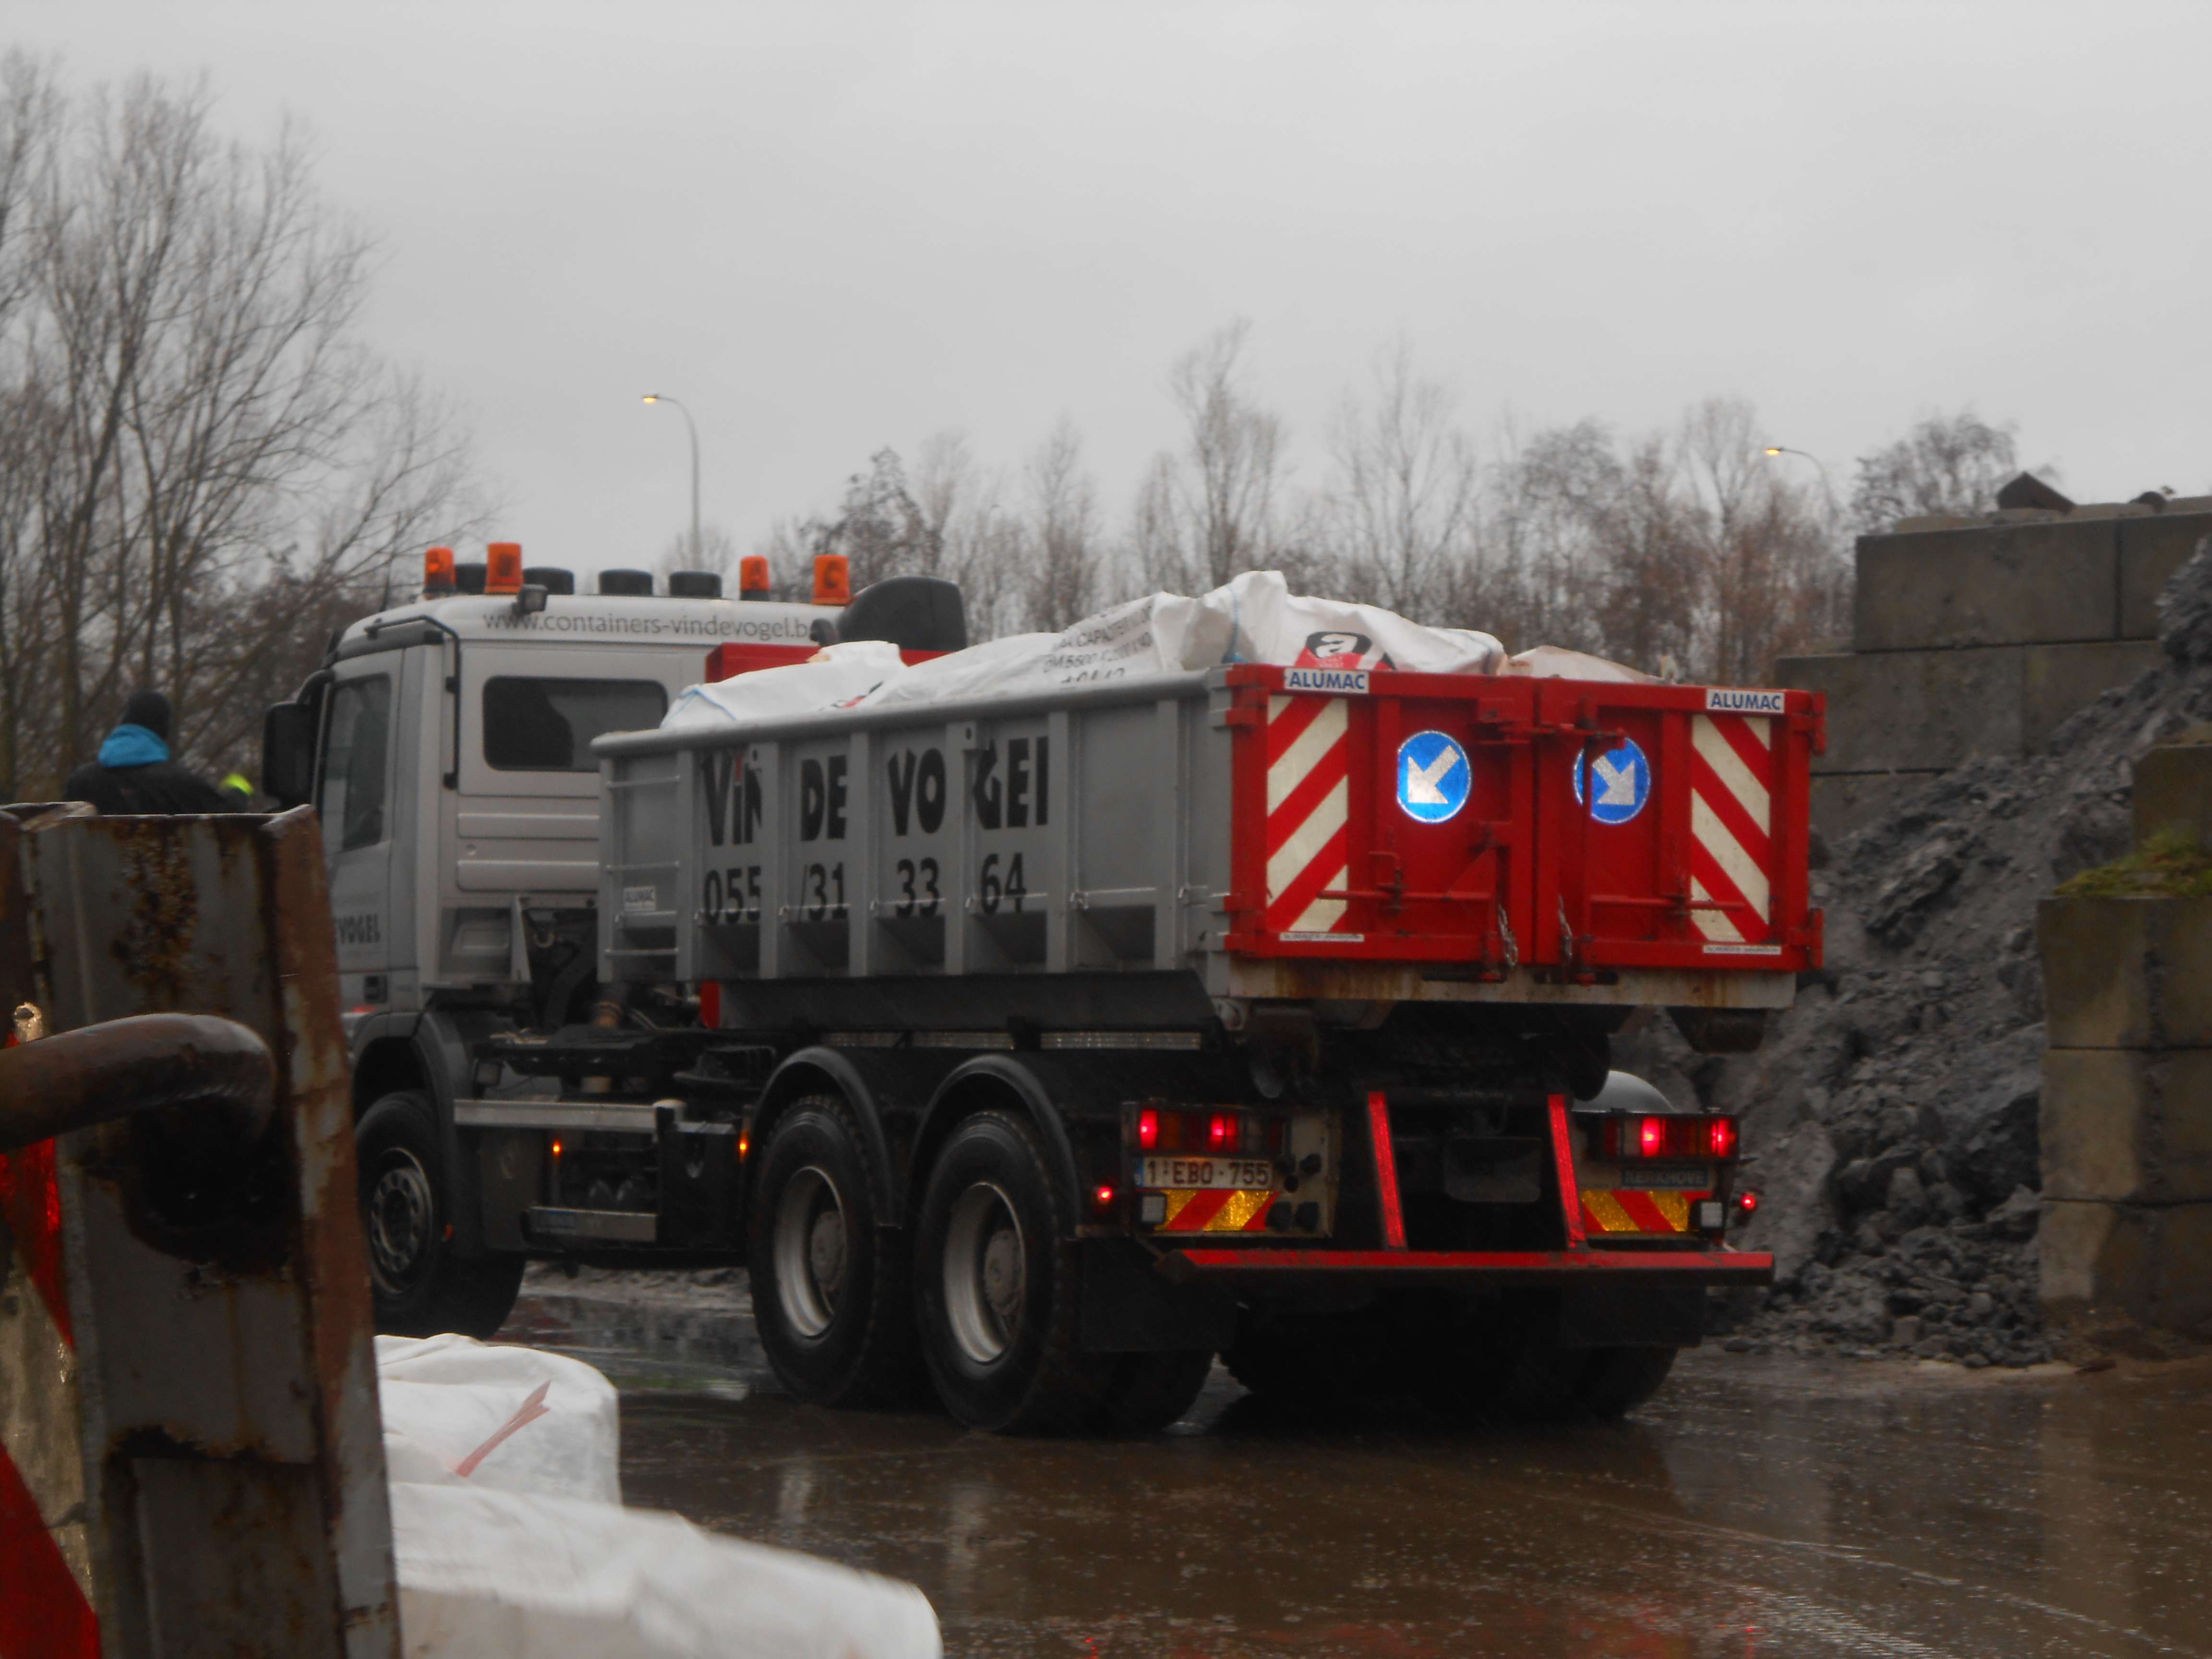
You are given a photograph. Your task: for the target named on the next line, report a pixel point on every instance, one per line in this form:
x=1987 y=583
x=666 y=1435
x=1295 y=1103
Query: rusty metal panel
x=225 y=1364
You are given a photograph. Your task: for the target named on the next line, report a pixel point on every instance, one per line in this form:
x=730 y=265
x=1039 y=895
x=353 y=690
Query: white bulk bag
x=445 y=1398
x=1158 y=634
x=1297 y=630
x=833 y=677
x=485 y=1574
x=1556 y=662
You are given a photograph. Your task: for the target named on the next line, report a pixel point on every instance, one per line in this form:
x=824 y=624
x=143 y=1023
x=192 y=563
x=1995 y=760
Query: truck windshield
x=533 y=725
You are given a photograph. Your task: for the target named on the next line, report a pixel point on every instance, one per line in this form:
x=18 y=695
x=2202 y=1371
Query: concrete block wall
x=2126 y=1113
x=1980 y=638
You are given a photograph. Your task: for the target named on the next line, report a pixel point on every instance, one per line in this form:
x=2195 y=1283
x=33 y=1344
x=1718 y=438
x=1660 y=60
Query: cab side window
x=533 y=725
x=352 y=797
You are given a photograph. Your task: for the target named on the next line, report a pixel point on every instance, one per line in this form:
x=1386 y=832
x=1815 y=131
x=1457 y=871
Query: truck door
x=354 y=796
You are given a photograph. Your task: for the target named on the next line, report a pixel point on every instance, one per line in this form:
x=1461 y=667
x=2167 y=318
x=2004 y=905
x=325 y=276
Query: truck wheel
x=421 y=1286
x=1148 y=1391
x=995 y=1285
x=1618 y=1380
x=830 y=1296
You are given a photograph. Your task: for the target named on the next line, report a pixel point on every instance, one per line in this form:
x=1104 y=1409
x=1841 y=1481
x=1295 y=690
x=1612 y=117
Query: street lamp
x=1827 y=484
x=692 y=426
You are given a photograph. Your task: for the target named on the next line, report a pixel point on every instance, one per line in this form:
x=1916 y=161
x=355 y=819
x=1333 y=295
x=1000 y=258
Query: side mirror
x=287 y=753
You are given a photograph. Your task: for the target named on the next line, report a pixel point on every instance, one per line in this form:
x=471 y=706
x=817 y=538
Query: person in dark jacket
x=134 y=774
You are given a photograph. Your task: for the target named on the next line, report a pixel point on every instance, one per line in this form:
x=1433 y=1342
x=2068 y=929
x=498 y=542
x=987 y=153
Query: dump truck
x=1033 y=1050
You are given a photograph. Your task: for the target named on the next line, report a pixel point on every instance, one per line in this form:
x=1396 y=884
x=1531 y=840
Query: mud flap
x=1128 y=1307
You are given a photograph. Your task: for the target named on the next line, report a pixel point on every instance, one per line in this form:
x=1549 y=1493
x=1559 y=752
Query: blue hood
x=132 y=746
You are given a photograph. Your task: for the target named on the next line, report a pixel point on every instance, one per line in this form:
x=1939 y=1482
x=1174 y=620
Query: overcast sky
x=831 y=227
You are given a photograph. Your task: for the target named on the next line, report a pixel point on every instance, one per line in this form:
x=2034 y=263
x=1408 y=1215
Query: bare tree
x=202 y=453
x=1400 y=518
x=717 y=552
x=1946 y=464
x=1212 y=510
x=1061 y=539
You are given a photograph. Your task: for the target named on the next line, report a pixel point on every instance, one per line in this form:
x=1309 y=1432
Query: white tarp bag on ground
x=510 y=1540
x=832 y=677
x=447 y=1399
x=499 y=1575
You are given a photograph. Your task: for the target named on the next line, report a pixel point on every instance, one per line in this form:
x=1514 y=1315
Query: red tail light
x=1103 y=1198
x=1246 y=1134
x=1749 y=1201
x=1678 y=1135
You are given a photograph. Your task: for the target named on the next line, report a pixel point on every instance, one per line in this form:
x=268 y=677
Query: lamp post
x=1827 y=484
x=691 y=426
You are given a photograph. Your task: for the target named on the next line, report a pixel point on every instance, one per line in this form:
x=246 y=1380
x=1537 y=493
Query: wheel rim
x=400 y=1222
x=811 y=1251
x=986 y=1274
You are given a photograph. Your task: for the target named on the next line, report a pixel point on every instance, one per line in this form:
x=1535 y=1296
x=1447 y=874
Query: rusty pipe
x=212 y=1079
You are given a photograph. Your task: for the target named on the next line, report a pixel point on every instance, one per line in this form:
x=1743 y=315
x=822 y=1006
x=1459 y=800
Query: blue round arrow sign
x=1433 y=777
x=1624 y=783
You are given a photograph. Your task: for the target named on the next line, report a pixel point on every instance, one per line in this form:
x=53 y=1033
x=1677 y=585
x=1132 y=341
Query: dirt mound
x=1891 y=1117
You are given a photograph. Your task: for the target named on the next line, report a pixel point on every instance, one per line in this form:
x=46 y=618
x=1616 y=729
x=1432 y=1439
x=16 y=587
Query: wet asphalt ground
x=1760 y=1506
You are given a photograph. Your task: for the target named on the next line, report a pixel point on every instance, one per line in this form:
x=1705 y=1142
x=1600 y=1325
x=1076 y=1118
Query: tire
x=1148 y=1391
x=421 y=1287
x=996 y=1287
x=829 y=1284
x=1618 y=1380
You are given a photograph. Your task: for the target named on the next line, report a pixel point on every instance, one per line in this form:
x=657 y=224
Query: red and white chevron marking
x=45 y=1568
x=1309 y=806
x=1731 y=825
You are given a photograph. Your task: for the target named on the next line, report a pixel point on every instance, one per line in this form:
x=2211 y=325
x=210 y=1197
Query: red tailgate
x=1674 y=822
x=1327 y=865
x=1432 y=818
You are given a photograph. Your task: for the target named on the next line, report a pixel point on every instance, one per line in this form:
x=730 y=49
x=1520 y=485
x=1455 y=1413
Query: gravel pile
x=1890 y=1119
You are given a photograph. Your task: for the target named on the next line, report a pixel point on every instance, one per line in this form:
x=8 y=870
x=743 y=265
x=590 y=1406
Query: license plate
x=1679 y=1178
x=1244 y=1172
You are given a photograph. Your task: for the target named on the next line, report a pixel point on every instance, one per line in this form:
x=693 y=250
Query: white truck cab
x=446 y=744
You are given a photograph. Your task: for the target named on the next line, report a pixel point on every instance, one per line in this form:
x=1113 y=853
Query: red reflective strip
x=1258 y=1224
x=1292 y=812
x=43 y=1613
x=1735 y=1264
x=1724 y=803
x=1326 y=866
x=1563 y=1156
x=1205 y=1205
x=1648 y=1216
x=1757 y=757
x=1284 y=728
x=1386 y=1171
x=30 y=1208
